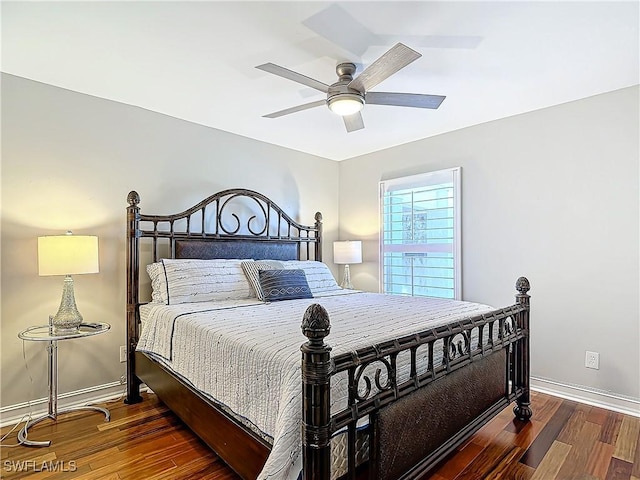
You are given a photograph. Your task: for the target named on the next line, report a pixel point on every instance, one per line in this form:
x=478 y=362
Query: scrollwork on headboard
x=237 y=214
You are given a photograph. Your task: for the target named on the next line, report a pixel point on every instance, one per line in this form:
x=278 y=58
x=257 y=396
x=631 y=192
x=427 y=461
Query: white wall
x=552 y=195
x=68 y=162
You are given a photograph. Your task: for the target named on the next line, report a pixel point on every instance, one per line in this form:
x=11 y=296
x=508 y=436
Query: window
x=420 y=235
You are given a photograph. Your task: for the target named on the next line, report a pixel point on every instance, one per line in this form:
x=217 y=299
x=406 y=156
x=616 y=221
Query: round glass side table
x=47 y=333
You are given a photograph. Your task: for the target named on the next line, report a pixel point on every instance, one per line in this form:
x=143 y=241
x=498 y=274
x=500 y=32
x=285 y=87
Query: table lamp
x=344 y=253
x=67 y=255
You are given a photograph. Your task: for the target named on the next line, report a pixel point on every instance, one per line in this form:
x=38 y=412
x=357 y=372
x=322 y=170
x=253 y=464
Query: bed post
x=133 y=264
x=523 y=408
x=316 y=401
x=318 y=249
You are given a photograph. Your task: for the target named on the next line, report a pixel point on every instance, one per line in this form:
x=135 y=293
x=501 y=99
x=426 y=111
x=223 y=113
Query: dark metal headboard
x=234 y=223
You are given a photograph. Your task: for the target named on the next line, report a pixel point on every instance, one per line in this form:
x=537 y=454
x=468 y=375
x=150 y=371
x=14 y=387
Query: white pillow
x=187 y=281
x=319 y=277
x=252 y=271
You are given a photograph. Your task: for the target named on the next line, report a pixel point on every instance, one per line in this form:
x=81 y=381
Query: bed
x=382 y=400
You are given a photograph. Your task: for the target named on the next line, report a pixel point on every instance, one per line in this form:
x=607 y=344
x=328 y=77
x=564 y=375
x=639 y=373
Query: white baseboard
x=588 y=395
x=12 y=414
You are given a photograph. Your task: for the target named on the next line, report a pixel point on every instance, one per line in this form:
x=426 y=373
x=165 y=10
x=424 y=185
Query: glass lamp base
x=68 y=318
x=346 y=279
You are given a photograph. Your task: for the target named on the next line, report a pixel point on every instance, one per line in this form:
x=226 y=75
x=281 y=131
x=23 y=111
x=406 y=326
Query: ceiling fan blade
x=398 y=57
x=353 y=122
x=344 y=30
x=416 y=100
x=298 y=108
x=295 y=76
x=336 y=25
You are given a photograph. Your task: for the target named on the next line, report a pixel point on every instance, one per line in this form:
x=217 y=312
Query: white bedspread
x=247 y=356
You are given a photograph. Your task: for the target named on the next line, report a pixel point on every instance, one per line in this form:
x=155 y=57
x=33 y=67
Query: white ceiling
x=195 y=60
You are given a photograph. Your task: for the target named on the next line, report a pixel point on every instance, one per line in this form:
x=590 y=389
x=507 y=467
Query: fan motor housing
x=337 y=90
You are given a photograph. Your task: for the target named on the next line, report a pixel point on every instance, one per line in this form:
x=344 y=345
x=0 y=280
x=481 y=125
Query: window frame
x=420 y=179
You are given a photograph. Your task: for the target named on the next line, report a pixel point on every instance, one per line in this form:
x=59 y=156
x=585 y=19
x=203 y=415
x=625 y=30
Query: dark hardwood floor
x=564 y=441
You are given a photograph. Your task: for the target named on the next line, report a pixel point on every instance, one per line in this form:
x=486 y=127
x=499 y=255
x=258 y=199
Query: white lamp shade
x=347 y=252
x=67 y=255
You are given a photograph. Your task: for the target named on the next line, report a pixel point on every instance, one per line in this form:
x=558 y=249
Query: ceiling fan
x=349 y=95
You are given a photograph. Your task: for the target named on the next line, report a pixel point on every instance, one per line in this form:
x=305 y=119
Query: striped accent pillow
x=251 y=270
x=318 y=275
x=203 y=281
x=284 y=285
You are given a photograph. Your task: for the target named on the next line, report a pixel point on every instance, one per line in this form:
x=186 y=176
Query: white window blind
x=420 y=235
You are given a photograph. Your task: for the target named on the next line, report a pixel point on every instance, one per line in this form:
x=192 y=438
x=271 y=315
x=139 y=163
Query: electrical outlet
x=592 y=360
x=123 y=354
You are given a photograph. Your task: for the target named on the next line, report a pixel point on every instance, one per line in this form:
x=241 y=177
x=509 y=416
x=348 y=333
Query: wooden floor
x=564 y=440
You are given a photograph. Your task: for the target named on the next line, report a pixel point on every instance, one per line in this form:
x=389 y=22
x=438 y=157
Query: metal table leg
x=53 y=412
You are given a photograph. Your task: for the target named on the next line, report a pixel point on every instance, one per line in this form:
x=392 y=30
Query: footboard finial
x=522 y=285
x=316 y=324
x=316 y=398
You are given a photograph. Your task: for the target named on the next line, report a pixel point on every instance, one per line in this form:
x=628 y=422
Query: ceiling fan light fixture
x=345 y=104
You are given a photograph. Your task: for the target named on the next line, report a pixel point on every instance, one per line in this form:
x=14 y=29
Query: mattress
x=246 y=354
